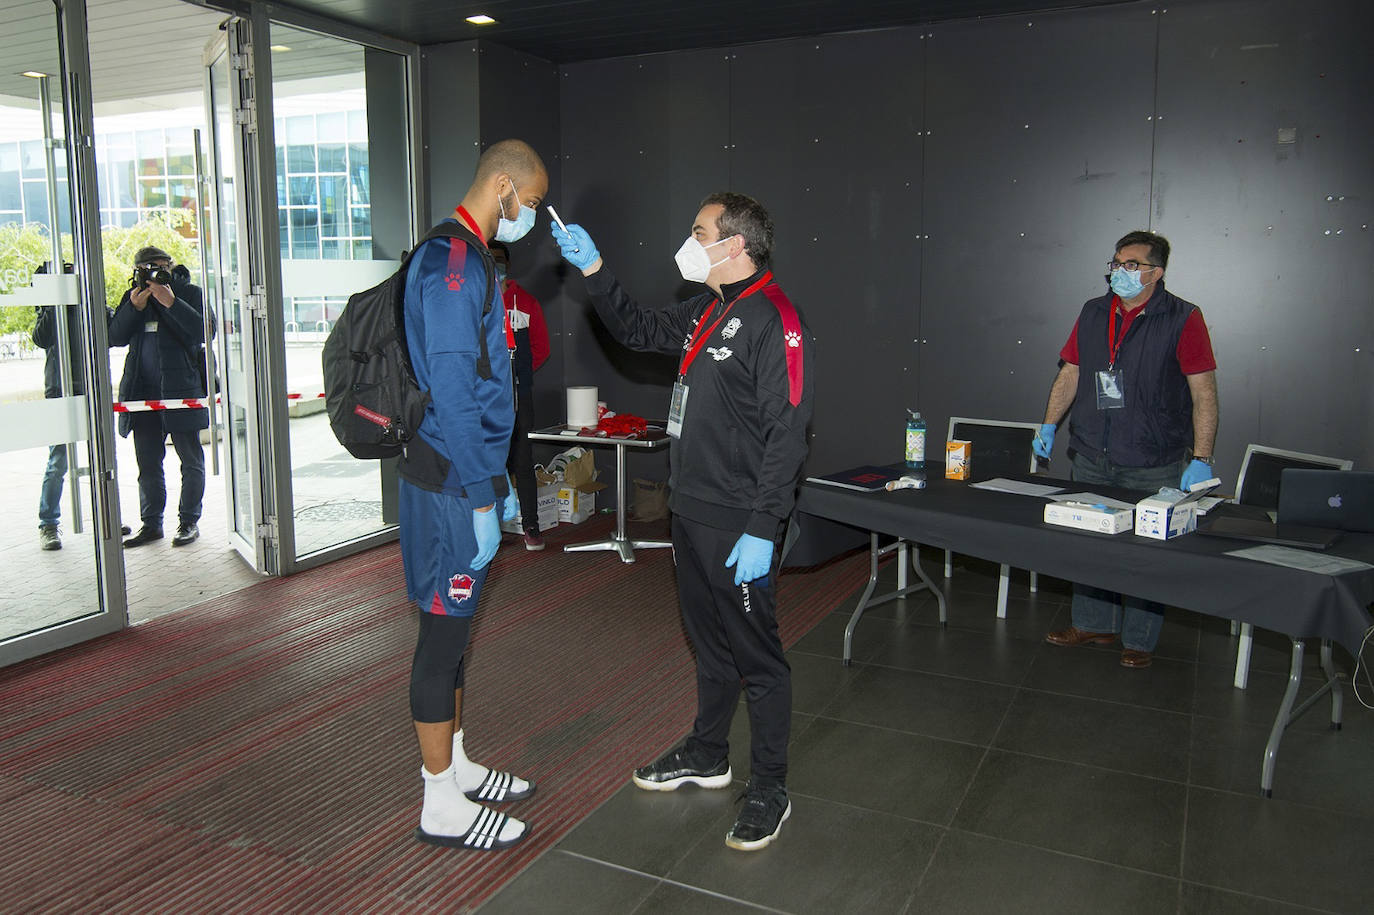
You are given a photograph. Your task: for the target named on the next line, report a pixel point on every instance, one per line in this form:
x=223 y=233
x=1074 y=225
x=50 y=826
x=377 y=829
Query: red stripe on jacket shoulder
x=792 y=340
x=457 y=257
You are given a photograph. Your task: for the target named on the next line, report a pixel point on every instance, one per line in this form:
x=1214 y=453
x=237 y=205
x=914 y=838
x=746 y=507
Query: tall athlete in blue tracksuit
x=452 y=476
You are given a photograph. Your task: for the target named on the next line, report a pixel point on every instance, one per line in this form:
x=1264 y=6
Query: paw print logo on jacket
x=455 y=281
x=793 y=339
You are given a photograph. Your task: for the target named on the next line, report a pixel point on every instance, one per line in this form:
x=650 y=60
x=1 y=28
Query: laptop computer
x=1235 y=528
x=1339 y=499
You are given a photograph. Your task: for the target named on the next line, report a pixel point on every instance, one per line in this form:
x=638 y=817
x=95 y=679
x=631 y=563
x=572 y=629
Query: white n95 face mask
x=693 y=260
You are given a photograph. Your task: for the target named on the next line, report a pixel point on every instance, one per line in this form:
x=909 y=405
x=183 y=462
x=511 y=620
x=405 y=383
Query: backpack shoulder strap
x=455 y=230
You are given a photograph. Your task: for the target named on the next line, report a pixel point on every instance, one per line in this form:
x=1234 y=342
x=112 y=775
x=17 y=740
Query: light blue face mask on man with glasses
x=1125 y=277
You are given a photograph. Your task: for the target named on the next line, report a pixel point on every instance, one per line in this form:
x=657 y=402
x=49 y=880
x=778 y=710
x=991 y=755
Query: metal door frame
x=79 y=121
x=247 y=39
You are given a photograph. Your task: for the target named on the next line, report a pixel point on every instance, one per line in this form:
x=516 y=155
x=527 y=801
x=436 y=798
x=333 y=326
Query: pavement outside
x=336 y=498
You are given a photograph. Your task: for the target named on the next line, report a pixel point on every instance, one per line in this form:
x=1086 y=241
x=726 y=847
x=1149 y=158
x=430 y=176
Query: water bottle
x=915 y=441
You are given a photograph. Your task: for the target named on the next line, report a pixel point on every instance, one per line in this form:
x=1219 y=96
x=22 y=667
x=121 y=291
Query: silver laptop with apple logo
x=1341 y=500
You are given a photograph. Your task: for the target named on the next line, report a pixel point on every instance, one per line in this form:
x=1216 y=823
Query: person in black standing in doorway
x=160 y=320
x=55 y=473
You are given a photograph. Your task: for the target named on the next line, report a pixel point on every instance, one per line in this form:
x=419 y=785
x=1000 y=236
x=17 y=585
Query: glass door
x=312 y=198
x=238 y=305
x=62 y=578
x=344 y=189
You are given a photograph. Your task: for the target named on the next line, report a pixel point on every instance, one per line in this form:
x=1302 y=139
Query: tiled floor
x=977 y=769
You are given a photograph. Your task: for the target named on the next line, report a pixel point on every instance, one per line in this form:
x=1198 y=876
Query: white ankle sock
x=447 y=813
x=470 y=775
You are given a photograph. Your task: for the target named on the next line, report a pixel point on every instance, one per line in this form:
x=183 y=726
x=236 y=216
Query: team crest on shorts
x=460 y=587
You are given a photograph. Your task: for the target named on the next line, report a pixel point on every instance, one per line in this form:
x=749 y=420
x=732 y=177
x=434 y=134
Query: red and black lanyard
x=1113 y=344
x=699 y=337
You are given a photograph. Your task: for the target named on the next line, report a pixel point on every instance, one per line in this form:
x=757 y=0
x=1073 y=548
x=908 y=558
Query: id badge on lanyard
x=1110 y=385
x=1110 y=393
x=677 y=409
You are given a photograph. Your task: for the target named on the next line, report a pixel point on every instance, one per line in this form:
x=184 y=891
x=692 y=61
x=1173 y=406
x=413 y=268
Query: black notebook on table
x=865 y=479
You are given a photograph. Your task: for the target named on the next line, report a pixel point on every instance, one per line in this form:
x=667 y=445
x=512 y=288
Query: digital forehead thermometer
x=554 y=214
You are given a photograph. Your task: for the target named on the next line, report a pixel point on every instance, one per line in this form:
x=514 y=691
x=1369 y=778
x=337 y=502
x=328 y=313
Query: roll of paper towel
x=582 y=406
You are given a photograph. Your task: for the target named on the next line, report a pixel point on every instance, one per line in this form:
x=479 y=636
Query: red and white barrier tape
x=188 y=403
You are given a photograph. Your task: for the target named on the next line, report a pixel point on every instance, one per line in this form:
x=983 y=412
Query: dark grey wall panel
x=643 y=142
x=449 y=109
x=1263 y=186
x=1044 y=147
x=1035 y=167
x=519 y=99
x=387 y=138
x=827 y=134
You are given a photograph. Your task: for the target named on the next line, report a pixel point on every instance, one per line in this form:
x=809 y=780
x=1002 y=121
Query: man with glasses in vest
x=1139 y=374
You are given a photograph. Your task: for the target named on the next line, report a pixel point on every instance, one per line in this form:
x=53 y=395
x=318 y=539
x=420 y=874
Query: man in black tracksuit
x=739 y=415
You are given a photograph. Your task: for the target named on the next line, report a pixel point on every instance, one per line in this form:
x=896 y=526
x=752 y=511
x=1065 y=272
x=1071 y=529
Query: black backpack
x=375 y=404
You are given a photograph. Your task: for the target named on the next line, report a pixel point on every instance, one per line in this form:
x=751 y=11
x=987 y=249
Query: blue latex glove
x=1195 y=472
x=487 y=527
x=1044 y=441
x=576 y=246
x=751 y=558
x=511 y=507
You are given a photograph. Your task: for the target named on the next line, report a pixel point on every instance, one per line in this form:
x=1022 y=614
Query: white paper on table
x=1092 y=498
x=1016 y=487
x=1303 y=560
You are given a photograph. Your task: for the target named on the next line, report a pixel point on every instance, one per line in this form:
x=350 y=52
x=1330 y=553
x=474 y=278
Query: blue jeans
x=50 y=496
x=149 y=449
x=1094 y=610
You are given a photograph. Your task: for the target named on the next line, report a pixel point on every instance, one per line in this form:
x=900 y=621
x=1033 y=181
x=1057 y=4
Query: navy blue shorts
x=437 y=549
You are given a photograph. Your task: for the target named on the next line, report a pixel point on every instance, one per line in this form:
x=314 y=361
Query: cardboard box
x=1165 y=516
x=575 y=505
x=958 y=455
x=577 y=492
x=1088 y=518
x=546 y=499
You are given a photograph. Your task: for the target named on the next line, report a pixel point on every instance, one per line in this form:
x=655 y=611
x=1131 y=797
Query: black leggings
x=438 y=666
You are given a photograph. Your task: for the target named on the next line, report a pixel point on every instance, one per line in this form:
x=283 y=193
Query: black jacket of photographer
x=174 y=346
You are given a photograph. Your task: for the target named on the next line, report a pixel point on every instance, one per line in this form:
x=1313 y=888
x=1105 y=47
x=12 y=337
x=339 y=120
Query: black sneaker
x=676 y=768
x=186 y=533
x=48 y=538
x=765 y=809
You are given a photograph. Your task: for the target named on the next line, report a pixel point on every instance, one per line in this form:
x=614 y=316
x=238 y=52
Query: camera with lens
x=151 y=273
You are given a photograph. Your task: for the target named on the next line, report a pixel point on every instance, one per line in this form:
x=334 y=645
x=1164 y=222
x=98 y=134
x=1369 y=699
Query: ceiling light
x=33 y=74
x=280 y=47
x=481 y=19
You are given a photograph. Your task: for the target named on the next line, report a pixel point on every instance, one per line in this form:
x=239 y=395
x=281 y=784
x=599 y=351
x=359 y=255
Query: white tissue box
x=1165 y=516
x=1087 y=518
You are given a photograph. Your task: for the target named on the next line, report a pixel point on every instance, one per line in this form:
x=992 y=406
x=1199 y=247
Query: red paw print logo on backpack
x=455 y=281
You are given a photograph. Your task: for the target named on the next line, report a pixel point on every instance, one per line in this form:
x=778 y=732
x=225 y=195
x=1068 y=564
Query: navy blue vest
x=1156 y=425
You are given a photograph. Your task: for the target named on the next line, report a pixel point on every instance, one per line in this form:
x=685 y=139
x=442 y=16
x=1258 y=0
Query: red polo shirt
x=1194 y=348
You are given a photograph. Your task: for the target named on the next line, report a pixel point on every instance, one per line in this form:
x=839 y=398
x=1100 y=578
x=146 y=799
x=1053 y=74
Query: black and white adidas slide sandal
x=483 y=835
x=496 y=788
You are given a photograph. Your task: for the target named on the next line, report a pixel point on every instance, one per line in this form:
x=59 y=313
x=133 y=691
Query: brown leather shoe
x=1073 y=636
x=1137 y=659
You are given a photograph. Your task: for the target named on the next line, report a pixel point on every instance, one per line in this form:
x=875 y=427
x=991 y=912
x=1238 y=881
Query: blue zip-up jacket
x=469 y=420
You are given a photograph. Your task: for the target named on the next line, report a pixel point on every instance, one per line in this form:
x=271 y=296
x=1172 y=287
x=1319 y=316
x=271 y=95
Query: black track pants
x=734 y=630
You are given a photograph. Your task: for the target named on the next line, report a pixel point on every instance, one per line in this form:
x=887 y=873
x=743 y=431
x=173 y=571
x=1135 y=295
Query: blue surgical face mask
x=509 y=230
x=500 y=273
x=1126 y=283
